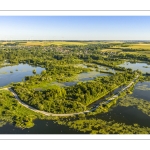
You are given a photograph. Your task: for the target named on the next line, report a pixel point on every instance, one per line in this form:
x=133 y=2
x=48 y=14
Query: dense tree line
x=88 y=92
x=51 y=100
x=70 y=99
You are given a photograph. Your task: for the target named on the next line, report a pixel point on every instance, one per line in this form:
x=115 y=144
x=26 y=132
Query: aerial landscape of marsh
x=75 y=75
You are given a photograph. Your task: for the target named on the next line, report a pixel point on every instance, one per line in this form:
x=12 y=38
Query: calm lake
x=18 y=73
x=134 y=66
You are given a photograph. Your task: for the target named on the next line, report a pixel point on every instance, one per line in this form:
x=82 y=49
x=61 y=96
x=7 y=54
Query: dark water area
x=142 y=91
x=19 y=72
x=128 y=115
x=40 y=127
x=69 y=83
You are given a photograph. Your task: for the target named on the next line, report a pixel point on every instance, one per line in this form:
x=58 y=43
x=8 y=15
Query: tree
x=34 y=71
x=43 y=72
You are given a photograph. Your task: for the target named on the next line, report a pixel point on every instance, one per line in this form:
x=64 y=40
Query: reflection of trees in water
x=140 y=104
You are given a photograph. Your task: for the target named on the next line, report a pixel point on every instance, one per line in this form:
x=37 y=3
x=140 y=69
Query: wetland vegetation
x=66 y=77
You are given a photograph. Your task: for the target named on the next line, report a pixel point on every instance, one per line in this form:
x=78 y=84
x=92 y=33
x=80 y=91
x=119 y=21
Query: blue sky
x=74 y=27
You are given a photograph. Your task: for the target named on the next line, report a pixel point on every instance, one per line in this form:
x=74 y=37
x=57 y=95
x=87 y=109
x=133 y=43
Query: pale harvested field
x=136 y=46
x=6 y=42
x=32 y=43
x=140 y=46
x=111 y=50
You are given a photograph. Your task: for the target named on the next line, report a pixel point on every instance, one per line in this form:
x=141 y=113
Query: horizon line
x=72 y=40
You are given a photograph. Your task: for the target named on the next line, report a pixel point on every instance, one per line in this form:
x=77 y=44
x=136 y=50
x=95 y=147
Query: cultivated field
x=46 y=43
x=111 y=50
x=147 y=53
x=135 y=46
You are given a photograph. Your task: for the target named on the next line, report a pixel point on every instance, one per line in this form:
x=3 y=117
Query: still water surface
x=134 y=66
x=86 y=76
x=40 y=127
x=19 y=72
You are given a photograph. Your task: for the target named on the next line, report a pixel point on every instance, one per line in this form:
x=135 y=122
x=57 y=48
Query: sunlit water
x=134 y=66
x=86 y=76
x=18 y=73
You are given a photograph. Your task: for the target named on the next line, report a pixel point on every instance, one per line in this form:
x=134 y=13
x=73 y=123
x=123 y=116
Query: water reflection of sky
x=142 y=90
x=86 y=76
x=82 y=77
x=135 y=66
x=23 y=70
